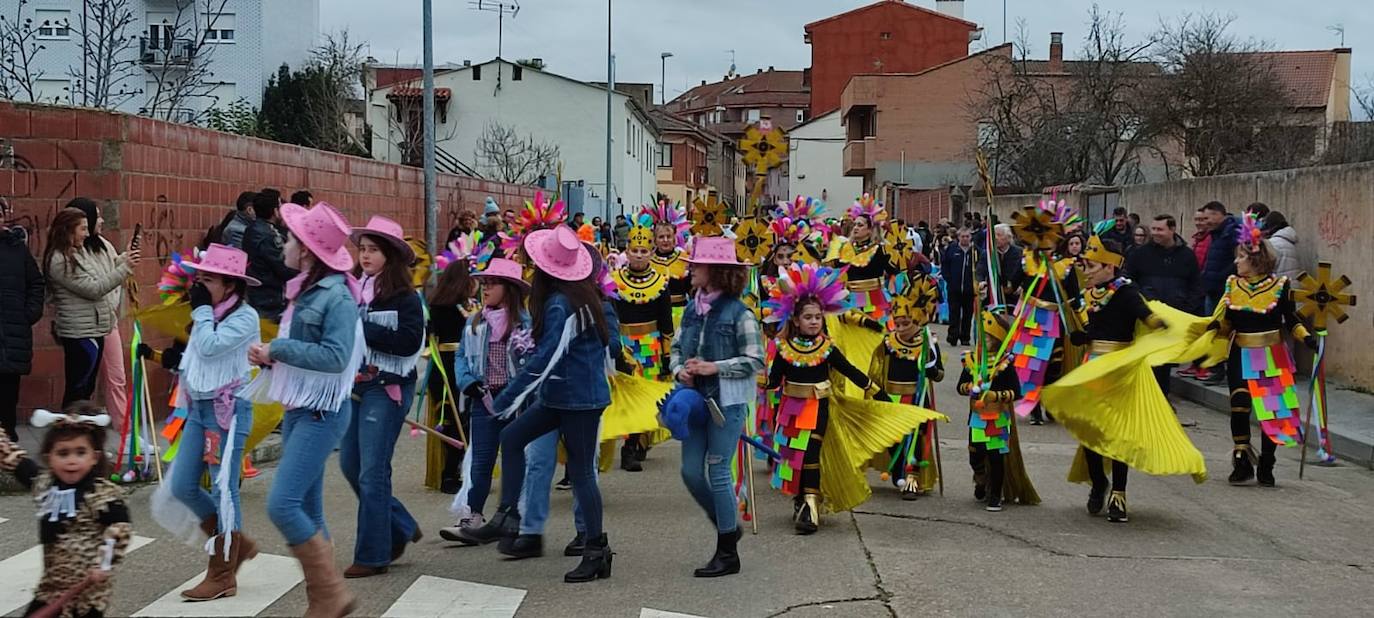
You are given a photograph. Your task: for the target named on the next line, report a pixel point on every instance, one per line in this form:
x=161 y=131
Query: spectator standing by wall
x=266 y=262
x=621 y=233
x=1167 y=271
x=1121 y=229
x=303 y=197
x=21 y=306
x=112 y=383
x=1217 y=266
x=1284 y=240
x=232 y=228
x=1010 y=273
x=956 y=267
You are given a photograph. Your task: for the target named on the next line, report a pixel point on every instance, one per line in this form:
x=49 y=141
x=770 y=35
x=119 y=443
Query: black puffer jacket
x=21 y=301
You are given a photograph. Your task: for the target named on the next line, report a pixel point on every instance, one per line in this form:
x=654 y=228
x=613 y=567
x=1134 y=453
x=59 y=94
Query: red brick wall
x=853 y=44
x=179 y=180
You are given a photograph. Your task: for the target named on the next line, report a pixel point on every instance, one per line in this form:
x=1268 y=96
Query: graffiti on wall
x=1336 y=224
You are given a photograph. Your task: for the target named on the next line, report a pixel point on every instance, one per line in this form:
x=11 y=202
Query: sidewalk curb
x=1345 y=445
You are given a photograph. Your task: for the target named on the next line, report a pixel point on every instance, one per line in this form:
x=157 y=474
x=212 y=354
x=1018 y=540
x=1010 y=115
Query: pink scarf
x=368 y=291
x=222 y=309
x=497 y=320
x=293 y=289
x=702 y=301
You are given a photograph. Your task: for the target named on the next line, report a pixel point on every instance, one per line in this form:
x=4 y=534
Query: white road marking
x=645 y=612
x=436 y=597
x=26 y=567
x=261 y=582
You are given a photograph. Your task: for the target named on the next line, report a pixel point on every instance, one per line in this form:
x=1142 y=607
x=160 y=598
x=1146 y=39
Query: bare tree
x=333 y=91
x=108 y=60
x=19 y=47
x=502 y=154
x=182 y=86
x=1221 y=99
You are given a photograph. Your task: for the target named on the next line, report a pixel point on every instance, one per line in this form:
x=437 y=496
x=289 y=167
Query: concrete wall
x=1332 y=209
x=815 y=153
x=178 y=181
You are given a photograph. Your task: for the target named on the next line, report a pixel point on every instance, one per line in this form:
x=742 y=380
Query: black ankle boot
x=576 y=546
x=523 y=546
x=1266 y=471
x=1097 y=497
x=629 y=462
x=726 y=559
x=1116 y=508
x=596 y=562
x=808 y=519
x=1241 y=468
x=506 y=523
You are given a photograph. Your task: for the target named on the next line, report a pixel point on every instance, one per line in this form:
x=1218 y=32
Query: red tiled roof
x=779 y=88
x=1306 y=75
x=812 y=25
x=407 y=92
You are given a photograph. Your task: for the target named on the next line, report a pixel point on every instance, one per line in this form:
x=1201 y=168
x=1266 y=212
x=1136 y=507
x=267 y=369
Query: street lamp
x=663 y=76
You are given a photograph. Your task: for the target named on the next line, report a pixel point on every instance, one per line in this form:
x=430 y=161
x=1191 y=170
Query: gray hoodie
x=1285 y=244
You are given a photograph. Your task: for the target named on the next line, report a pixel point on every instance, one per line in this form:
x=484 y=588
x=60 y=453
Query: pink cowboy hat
x=501 y=268
x=223 y=260
x=714 y=250
x=559 y=253
x=388 y=230
x=323 y=231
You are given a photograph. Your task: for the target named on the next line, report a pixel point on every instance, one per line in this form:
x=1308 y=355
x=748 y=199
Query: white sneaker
x=471 y=522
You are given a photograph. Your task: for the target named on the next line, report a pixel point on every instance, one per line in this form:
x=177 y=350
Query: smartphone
x=138 y=236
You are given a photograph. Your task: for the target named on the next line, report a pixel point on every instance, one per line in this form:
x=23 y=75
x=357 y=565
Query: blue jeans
x=541 y=461
x=483 y=442
x=190 y=463
x=581 y=435
x=365 y=458
x=706 y=456
x=296 y=502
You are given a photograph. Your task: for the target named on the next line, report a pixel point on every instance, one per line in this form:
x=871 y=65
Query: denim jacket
x=470 y=363
x=323 y=327
x=719 y=342
x=576 y=380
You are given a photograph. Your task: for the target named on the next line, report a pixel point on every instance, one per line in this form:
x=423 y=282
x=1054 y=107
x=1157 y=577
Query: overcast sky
x=570 y=35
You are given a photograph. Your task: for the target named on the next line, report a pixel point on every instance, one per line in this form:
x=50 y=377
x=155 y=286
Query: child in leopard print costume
x=83 y=522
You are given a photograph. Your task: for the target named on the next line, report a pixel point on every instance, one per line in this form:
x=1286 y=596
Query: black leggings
x=81 y=362
x=9 y=404
x=1099 y=477
x=811 y=460
x=988 y=468
x=580 y=430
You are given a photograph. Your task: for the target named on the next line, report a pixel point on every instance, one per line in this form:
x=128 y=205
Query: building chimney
x=758 y=71
x=1056 y=52
x=952 y=8
x=770 y=68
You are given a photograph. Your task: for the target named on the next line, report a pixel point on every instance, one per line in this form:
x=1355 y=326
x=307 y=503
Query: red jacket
x=1201 y=240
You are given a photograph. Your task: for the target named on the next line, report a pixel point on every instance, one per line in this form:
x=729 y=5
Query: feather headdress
x=175 y=281
x=802 y=210
x=789 y=231
x=471 y=248
x=802 y=281
x=1062 y=213
x=672 y=214
x=868 y=206
x=537 y=215
x=1250 y=234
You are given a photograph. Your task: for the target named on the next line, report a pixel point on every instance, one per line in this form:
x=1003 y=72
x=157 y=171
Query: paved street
x=1210 y=549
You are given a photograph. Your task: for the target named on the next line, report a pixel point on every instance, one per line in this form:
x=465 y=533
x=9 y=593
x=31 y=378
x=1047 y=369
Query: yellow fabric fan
x=1113 y=405
x=858 y=430
x=634 y=406
x=856 y=343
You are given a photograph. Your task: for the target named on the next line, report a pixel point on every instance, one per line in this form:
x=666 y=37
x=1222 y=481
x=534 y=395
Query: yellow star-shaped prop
x=899 y=247
x=753 y=241
x=1320 y=296
x=1036 y=229
x=764 y=146
x=707 y=216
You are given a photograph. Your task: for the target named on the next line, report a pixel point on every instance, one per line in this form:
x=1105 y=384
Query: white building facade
x=551 y=108
x=240 y=42
x=815 y=153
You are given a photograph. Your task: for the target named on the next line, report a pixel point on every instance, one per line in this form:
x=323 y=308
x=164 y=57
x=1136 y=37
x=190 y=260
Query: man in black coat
x=956 y=268
x=1166 y=270
x=266 y=261
x=21 y=306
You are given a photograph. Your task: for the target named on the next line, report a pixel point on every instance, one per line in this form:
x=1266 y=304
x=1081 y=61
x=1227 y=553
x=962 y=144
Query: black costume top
x=803 y=360
x=674 y=264
x=643 y=297
x=1259 y=304
x=1113 y=309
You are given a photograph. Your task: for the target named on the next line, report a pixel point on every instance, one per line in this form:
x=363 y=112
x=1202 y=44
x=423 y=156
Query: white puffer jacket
x=87 y=296
x=1285 y=244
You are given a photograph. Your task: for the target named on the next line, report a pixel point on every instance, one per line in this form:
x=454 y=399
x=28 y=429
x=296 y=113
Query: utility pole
x=431 y=181
x=610 y=89
x=663 y=76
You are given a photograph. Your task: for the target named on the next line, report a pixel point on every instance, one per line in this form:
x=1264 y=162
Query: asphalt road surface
x=1303 y=548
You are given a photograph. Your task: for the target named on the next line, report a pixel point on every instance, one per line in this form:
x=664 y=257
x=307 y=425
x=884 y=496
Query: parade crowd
x=788 y=340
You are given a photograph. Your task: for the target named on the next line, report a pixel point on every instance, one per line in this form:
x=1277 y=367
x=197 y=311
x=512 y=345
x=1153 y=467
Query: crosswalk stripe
x=645 y=612
x=25 y=569
x=260 y=583
x=3 y=520
x=437 y=597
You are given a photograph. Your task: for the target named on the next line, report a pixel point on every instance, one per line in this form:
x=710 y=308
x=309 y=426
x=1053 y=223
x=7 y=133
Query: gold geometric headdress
x=641 y=233
x=1098 y=252
x=917 y=299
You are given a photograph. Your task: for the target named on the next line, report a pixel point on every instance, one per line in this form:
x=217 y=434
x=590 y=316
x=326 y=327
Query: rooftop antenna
x=1339 y=29
x=732 y=61
x=501 y=8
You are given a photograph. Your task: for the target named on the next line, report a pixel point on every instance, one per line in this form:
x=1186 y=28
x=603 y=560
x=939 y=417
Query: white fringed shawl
x=389 y=363
x=205 y=375
x=298 y=387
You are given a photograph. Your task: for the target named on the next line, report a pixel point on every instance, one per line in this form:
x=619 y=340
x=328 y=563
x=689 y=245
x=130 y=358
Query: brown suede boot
x=219 y=576
x=325 y=591
x=247 y=548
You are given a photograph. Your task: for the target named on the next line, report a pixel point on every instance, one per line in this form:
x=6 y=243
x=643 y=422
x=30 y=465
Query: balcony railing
x=158 y=51
x=856 y=157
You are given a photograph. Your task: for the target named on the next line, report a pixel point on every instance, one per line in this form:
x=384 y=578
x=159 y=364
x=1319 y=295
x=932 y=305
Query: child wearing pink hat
x=564 y=384
x=213 y=369
x=309 y=368
x=718 y=352
x=394 y=331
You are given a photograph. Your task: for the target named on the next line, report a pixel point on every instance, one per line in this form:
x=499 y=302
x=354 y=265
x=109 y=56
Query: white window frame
x=752 y=115
x=665 y=154
x=801 y=116
x=60 y=28
x=215 y=33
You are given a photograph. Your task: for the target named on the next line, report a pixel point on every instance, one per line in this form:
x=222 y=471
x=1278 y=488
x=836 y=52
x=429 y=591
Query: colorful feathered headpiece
x=1062 y=213
x=1250 y=235
x=471 y=248
x=802 y=210
x=868 y=206
x=671 y=214
x=537 y=215
x=789 y=231
x=802 y=281
x=175 y=281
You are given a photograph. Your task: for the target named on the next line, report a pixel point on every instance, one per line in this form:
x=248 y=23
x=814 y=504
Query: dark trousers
x=988 y=468
x=581 y=436
x=1162 y=376
x=960 y=316
x=1099 y=477
x=81 y=363
x=811 y=459
x=9 y=404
